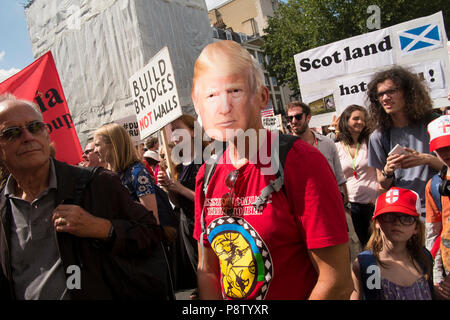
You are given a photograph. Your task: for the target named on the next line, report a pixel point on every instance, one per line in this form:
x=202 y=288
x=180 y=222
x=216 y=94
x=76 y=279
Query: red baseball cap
x=439 y=131
x=398 y=200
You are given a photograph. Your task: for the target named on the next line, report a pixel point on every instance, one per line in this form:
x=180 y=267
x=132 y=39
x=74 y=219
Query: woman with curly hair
x=114 y=146
x=401 y=108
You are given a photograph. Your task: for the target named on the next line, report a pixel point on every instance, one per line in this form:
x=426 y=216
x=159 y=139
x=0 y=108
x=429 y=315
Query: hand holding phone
x=398 y=149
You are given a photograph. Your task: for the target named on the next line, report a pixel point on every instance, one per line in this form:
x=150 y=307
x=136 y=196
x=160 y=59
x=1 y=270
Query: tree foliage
x=300 y=25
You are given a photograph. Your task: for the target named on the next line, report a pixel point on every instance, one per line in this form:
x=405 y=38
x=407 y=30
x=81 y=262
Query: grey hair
x=10 y=97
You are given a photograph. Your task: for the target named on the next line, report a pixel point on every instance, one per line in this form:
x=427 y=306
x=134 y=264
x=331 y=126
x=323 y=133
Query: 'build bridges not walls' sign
x=154 y=93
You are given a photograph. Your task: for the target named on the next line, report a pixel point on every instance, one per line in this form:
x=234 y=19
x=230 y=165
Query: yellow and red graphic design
x=245 y=261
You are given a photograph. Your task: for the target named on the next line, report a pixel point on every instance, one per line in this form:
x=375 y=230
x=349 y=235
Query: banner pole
x=280 y=121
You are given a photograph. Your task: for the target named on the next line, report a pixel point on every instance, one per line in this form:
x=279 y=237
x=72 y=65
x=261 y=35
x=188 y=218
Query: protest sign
x=341 y=71
x=131 y=125
x=154 y=94
x=273 y=123
x=39 y=82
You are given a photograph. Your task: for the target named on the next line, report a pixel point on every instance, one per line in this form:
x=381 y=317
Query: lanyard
x=353 y=158
x=316 y=141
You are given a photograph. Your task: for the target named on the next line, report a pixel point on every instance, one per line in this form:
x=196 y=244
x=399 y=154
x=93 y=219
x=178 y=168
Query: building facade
x=279 y=95
x=245 y=16
x=99 y=44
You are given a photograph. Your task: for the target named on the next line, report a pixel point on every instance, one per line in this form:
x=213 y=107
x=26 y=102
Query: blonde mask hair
x=229 y=56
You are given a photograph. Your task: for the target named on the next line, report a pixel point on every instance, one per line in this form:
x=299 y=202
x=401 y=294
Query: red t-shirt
x=263 y=255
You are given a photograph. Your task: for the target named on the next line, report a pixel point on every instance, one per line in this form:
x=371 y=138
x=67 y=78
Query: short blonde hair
x=239 y=61
x=123 y=151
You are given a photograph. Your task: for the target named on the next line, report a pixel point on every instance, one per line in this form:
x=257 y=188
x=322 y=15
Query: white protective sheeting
x=98 y=44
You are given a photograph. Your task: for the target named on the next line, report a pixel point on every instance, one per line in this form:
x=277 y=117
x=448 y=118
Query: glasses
x=14 y=133
x=389 y=92
x=297 y=117
x=405 y=219
x=87 y=151
x=227 y=201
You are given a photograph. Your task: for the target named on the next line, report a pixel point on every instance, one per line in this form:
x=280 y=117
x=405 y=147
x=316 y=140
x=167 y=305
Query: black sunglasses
x=405 y=219
x=227 y=200
x=13 y=133
x=297 y=117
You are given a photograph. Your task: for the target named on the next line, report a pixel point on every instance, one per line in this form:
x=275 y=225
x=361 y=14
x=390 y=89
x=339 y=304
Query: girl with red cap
x=395 y=265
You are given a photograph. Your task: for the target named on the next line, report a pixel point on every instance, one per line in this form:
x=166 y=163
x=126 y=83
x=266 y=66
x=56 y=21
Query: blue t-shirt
x=138 y=181
x=415 y=137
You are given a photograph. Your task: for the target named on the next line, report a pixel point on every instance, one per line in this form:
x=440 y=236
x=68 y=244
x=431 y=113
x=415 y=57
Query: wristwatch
x=111 y=234
x=387 y=175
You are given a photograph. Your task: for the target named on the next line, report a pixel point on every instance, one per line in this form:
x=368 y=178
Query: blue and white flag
x=426 y=37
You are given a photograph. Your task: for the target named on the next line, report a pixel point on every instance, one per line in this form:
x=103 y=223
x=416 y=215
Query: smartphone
x=398 y=149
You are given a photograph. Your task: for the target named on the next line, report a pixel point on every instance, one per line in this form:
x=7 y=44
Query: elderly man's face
x=90 y=156
x=28 y=150
x=226 y=103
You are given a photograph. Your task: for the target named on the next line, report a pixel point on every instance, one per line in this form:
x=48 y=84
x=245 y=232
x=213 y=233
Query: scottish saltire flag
x=419 y=38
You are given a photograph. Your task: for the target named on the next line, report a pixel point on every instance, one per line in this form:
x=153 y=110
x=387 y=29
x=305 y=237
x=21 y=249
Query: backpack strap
x=434 y=186
x=84 y=178
x=430 y=259
x=365 y=260
x=210 y=167
x=435 y=182
x=280 y=149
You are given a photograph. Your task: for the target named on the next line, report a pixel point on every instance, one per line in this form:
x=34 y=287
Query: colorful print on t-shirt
x=245 y=261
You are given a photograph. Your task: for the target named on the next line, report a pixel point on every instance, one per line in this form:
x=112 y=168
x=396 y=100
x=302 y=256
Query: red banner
x=39 y=82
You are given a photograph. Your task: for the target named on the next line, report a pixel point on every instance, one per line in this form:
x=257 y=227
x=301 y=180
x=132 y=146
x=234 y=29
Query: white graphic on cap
x=392 y=196
x=444 y=127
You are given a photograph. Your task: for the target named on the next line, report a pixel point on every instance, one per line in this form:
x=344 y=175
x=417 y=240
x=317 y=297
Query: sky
x=15 y=45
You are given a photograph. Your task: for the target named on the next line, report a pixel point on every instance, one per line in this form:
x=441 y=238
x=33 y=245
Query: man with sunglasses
x=50 y=249
x=90 y=158
x=401 y=109
x=293 y=247
x=299 y=115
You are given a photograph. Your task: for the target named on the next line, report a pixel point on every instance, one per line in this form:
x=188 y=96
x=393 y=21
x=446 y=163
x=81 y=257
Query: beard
x=298 y=131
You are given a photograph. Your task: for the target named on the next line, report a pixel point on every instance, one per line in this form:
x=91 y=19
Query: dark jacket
x=136 y=232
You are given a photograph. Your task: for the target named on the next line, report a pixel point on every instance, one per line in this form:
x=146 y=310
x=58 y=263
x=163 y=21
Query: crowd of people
x=245 y=227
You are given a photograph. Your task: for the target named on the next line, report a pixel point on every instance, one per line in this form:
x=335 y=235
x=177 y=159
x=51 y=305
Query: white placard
x=131 y=125
x=155 y=95
x=272 y=123
x=345 y=57
x=351 y=90
x=346 y=67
